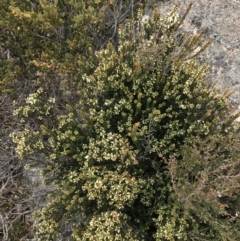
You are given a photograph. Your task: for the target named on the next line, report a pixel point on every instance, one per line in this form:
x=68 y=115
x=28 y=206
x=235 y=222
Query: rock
x=221 y=19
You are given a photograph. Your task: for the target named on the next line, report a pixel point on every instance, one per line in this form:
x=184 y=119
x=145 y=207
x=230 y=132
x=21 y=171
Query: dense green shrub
x=41 y=40
x=205 y=184
x=113 y=154
x=48 y=45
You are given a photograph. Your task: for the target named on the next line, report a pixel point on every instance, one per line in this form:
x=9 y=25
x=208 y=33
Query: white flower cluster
x=34 y=103
x=171 y=19
x=22 y=138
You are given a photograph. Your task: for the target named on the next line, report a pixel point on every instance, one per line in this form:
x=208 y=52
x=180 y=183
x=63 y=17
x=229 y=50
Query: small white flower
x=145 y=19
x=98 y=184
x=219 y=194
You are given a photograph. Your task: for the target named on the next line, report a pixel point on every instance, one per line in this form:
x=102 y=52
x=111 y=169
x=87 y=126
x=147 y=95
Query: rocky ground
x=222 y=22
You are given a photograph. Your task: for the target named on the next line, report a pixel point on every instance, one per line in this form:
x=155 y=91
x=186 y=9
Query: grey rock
x=222 y=22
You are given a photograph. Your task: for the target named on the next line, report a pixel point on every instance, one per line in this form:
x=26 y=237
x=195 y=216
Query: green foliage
x=45 y=47
x=112 y=152
x=41 y=40
x=207 y=187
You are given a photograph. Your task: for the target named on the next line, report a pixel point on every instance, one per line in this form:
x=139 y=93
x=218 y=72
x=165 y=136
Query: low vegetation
x=117 y=110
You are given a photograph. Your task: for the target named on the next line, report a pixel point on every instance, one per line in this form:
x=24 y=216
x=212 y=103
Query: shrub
x=113 y=152
x=45 y=45
x=205 y=185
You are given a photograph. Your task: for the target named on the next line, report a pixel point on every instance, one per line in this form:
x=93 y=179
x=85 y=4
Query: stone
x=221 y=19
